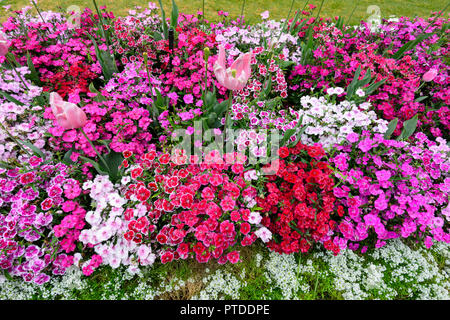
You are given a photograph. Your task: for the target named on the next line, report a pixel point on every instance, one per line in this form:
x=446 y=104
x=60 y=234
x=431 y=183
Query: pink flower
x=430 y=75
x=265 y=15
x=188 y=99
x=236 y=76
x=68 y=115
x=233 y=257
x=4 y=44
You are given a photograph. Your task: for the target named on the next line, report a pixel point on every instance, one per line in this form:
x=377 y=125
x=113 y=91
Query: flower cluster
x=21 y=119
x=185 y=209
x=404 y=93
x=391 y=189
x=329 y=123
x=38 y=208
x=64 y=58
x=298 y=202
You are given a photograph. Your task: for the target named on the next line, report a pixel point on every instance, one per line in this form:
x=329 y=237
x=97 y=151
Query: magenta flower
x=188 y=99
x=236 y=76
x=4 y=44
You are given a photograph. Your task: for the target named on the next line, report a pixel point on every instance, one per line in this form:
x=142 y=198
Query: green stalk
x=320 y=9
x=93 y=147
x=437 y=16
x=37 y=9
x=242 y=9
x=203 y=13
x=14 y=139
x=351 y=15
x=17 y=73
x=230 y=97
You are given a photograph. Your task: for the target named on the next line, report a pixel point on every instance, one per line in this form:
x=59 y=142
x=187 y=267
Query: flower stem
x=93 y=147
x=242 y=9
x=38 y=11
x=14 y=139
x=17 y=73
x=227 y=116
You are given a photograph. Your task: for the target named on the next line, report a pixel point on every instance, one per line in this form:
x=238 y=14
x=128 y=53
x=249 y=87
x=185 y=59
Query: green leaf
x=409 y=127
x=95 y=164
x=220 y=108
x=106 y=61
x=365 y=80
x=164 y=22
x=294 y=21
x=391 y=128
x=34 y=75
x=419 y=99
x=11 y=99
x=299 y=136
x=410 y=45
x=340 y=23
x=353 y=85
x=374 y=86
x=290 y=132
x=66 y=159
x=174 y=19
x=6 y=166
x=105 y=143
x=212 y=118
x=99 y=97
x=35 y=149
x=114 y=160
x=286 y=64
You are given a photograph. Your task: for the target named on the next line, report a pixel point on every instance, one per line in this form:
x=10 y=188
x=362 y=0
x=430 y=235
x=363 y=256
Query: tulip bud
x=67 y=114
x=206 y=53
x=430 y=75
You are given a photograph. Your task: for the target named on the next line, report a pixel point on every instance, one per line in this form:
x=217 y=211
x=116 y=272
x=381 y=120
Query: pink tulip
x=430 y=75
x=236 y=76
x=68 y=115
x=4 y=44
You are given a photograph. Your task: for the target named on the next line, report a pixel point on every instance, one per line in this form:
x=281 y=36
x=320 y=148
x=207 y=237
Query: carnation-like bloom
x=236 y=76
x=68 y=115
x=4 y=44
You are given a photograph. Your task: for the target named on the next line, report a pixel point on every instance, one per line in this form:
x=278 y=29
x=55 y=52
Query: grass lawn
x=278 y=8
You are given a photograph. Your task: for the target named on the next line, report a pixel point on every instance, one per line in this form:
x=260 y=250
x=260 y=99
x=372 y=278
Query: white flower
x=143 y=252
x=116 y=200
x=360 y=92
x=250 y=175
x=338 y=90
x=264 y=234
x=254 y=218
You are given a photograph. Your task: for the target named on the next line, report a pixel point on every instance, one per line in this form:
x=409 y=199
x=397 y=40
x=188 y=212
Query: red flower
x=233 y=257
x=186 y=201
x=127 y=154
x=142 y=194
x=283 y=152
x=161 y=238
x=164 y=159
x=316 y=152
x=245 y=228
x=137 y=172
x=166 y=257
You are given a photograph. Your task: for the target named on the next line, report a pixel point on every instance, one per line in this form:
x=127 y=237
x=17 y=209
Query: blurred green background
x=253 y=8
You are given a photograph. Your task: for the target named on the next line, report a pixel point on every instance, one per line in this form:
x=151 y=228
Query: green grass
x=278 y=8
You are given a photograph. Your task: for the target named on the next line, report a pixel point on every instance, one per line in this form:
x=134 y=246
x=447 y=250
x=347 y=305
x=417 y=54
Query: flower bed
x=133 y=142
